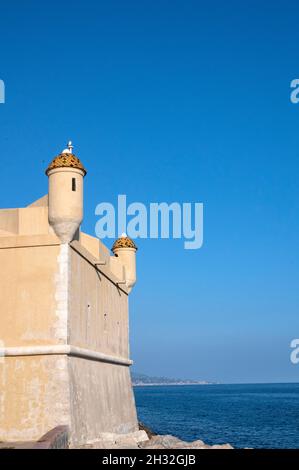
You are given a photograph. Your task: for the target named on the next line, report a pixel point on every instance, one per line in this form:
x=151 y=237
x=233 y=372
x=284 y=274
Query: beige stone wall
x=102 y=396
x=95 y=247
x=34 y=389
x=98 y=317
x=9 y=220
x=102 y=400
x=32 y=220
x=34 y=396
x=27 y=293
x=64 y=328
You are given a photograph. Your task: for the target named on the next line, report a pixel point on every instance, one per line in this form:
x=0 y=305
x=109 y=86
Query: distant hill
x=143 y=379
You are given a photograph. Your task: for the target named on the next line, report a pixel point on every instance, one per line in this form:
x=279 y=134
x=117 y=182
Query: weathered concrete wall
x=98 y=310
x=34 y=396
x=9 y=220
x=102 y=396
x=102 y=400
x=64 y=328
x=32 y=220
x=34 y=389
x=27 y=293
x=95 y=247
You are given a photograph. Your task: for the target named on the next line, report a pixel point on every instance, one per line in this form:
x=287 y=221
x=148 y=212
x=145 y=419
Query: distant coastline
x=142 y=380
x=171 y=383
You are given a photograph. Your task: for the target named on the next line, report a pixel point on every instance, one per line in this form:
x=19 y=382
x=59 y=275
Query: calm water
x=265 y=416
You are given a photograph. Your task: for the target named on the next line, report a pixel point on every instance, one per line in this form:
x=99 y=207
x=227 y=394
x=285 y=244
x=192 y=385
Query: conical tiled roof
x=67 y=160
x=124 y=242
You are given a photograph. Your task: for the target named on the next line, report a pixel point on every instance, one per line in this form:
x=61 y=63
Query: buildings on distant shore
x=142 y=379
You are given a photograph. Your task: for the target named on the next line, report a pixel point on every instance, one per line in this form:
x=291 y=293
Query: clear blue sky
x=173 y=101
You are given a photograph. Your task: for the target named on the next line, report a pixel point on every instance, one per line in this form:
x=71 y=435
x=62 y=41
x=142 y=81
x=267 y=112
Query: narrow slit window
x=73 y=184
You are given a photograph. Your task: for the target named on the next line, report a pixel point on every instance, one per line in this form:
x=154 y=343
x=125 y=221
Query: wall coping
x=26 y=241
x=103 y=269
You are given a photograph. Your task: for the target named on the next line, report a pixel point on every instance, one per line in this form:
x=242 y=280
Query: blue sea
x=257 y=415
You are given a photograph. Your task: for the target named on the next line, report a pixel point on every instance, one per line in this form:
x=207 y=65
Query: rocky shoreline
x=147 y=439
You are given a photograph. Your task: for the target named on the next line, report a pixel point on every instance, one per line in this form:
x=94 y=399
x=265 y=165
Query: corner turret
x=66 y=174
x=125 y=249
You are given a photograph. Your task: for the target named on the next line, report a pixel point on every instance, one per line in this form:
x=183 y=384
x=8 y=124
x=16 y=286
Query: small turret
x=125 y=249
x=66 y=174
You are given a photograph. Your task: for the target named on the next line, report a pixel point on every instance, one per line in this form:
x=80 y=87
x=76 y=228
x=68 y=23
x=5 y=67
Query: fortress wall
x=27 y=293
x=102 y=400
x=34 y=396
x=33 y=220
x=94 y=246
x=102 y=396
x=9 y=220
x=64 y=329
x=98 y=310
x=34 y=387
x=64 y=342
